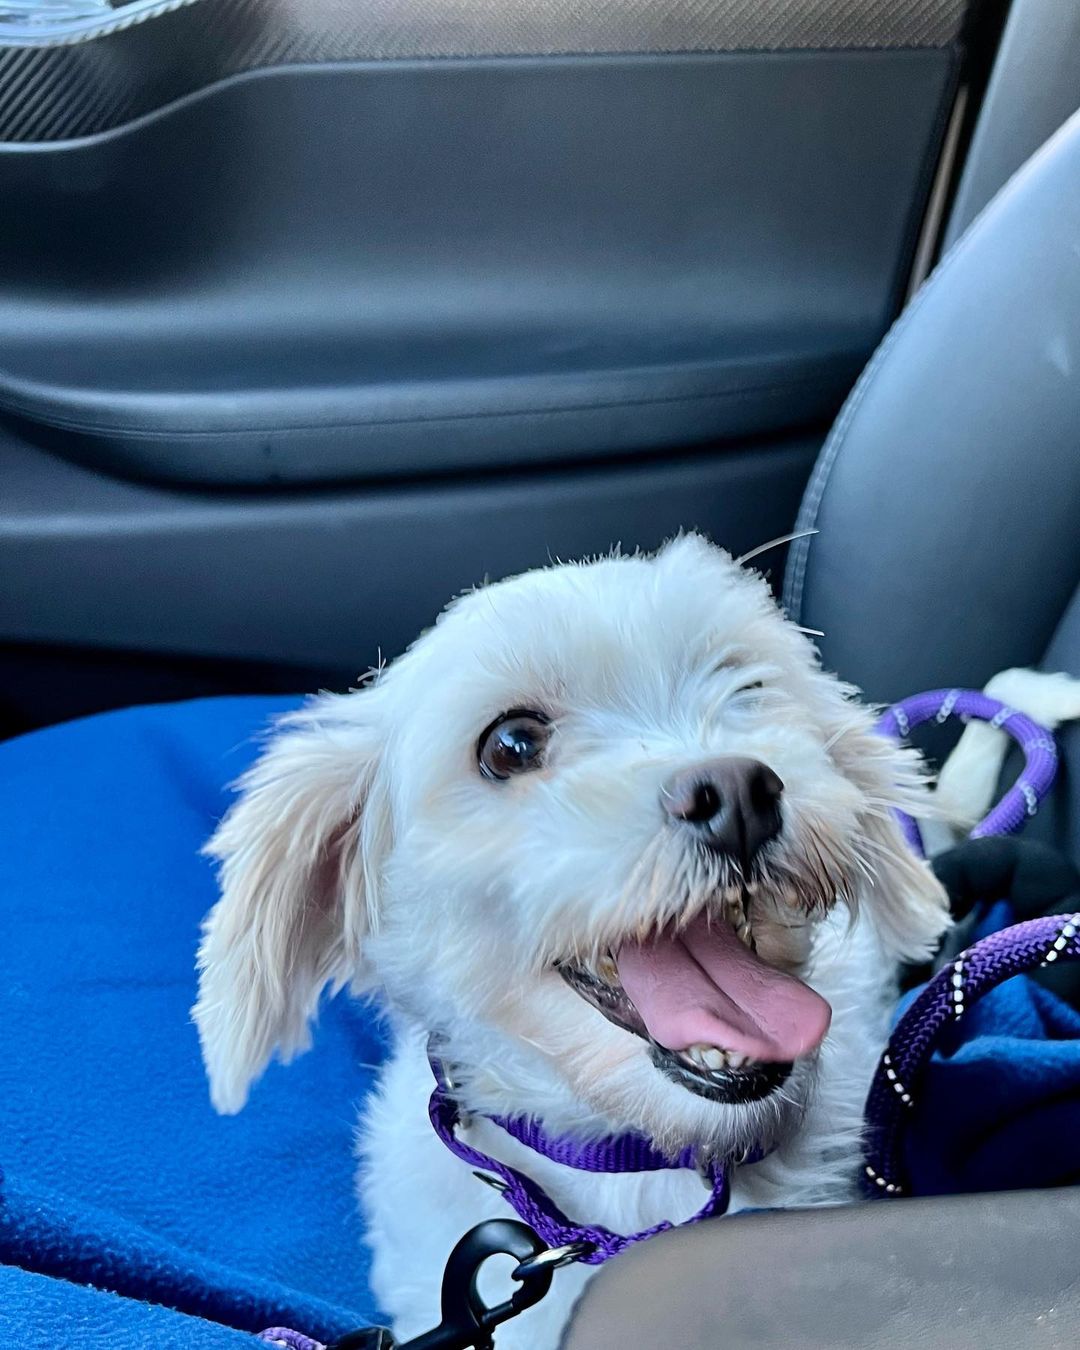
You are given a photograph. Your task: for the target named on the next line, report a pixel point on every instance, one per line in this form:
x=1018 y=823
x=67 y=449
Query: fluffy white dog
x=609 y=832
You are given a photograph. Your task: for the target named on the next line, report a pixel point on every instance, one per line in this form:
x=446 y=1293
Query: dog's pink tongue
x=704 y=986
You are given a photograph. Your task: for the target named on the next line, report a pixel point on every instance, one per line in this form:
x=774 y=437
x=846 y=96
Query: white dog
x=611 y=834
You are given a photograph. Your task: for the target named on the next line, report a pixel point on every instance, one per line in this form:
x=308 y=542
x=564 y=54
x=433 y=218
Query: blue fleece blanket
x=129 y=1212
x=117 y=1174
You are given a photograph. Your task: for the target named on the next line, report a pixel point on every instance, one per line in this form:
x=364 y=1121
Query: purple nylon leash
x=893 y=1095
x=565 y=1240
x=591 y=1244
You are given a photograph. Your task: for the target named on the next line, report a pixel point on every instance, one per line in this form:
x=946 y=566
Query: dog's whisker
x=774 y=543
x=863 y=863
x=875 y=846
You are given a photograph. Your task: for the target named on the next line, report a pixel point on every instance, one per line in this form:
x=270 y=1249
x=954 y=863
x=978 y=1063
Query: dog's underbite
x=611 y=836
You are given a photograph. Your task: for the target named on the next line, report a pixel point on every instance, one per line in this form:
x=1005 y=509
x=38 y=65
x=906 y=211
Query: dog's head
x=582 y=832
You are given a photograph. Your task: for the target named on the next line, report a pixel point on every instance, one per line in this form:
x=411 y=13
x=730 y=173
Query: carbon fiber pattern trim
x=89 y=82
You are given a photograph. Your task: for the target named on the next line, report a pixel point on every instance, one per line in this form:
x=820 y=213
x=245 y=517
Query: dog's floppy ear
x=906 y=903
x=299 y=856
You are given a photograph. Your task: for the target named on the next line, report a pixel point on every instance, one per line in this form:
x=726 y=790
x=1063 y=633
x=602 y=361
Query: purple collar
x=588 y=1243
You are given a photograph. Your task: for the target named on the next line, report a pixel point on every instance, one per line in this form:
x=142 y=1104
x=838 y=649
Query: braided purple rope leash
x=893 y=1093
x=1012 y=951
x=1040 y=753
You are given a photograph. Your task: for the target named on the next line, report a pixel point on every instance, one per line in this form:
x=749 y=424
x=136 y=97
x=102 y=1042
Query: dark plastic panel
x=381 y=270
x=324 y=580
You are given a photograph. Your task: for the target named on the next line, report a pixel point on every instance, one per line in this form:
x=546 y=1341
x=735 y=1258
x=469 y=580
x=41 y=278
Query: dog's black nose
x=732 y=803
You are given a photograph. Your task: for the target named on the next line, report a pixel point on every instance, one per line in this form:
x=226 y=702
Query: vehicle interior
x=315 y=314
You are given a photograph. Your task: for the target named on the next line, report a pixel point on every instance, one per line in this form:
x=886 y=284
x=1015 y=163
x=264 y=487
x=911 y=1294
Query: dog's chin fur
x=367 y=850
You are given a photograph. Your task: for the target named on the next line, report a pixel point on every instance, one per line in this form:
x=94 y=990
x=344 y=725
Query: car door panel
x=379 y=268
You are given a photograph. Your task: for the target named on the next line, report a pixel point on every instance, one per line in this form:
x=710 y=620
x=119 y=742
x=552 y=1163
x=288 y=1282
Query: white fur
x=366 y=849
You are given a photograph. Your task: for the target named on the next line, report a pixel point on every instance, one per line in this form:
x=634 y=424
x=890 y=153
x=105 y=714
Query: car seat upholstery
x=945 y=504
x=945 y=499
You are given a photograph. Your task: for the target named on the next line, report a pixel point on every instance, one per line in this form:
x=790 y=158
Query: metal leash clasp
x=552 y=1259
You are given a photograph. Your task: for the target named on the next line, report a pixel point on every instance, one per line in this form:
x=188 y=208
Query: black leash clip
x=467 y=1321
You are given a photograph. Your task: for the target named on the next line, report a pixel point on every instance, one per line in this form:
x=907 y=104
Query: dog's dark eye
x=513 y=743
x=750 y=688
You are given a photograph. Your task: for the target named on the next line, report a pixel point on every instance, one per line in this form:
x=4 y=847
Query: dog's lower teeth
x=706 y=1057
x=711 y=1059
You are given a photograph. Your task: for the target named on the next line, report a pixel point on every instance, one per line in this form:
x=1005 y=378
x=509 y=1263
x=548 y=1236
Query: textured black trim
x=79 y=82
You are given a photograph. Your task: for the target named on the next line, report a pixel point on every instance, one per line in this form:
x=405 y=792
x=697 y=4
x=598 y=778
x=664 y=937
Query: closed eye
x=746 y=699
